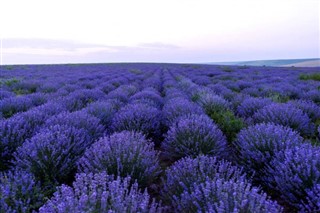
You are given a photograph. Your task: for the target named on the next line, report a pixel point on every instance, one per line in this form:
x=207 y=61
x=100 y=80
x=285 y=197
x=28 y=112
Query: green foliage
x=136 y=71
x=279 y=98
x=228 y=123
x=313 y=76
x=243 y=67
x=9 y=82
x=226 y=69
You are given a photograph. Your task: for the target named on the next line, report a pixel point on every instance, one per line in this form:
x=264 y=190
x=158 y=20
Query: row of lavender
x=98 y=121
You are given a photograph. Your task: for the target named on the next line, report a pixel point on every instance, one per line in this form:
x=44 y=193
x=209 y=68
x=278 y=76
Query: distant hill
x=310 y=62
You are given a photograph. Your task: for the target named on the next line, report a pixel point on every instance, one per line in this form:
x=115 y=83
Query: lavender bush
x=308 y=107
x=51 y=154
x=313 y=200
x=251 y=105
x=81 y=98
x=178 y=107
x=257 y=145
x=104 y=111
x=11 y=106
x=193 y=135
x=226 y=196
x=123 y=154
x=184 y=173
x=138 y=117
x=294 y=172
x=213 y=103
x=79 y=120
x=286 y=115
x=19 y=192
x=100 y=193
x=15 y=130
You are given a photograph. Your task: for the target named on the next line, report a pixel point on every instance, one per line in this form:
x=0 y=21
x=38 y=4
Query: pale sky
x=192 y=31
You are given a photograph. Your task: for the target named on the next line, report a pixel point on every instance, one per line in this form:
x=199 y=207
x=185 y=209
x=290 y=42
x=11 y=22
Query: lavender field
x=159 y=138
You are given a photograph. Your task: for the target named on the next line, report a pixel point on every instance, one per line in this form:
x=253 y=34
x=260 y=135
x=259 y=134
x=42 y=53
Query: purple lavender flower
x=313 y=200
x=308 y=107
x=104 y=111
x=19 y=192
x=184 y=173
x=294 y=171
x=11 y=106
x=178 y=107
x=6 y=94
x=15 y=130
x=138 y=117
x=251 y=105
x=79 y=120
x=286 y=115
x=81 y=98
x=193 y=135
x=213 y=103
x=51 y=154
x=225 y=196
x=149 y=95
x=257 y=145
x=122 y=154
x=100 y=193
x=123 y=93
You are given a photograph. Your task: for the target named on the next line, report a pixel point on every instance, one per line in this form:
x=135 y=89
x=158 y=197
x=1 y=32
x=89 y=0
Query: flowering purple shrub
x=313 y=200
x=184 y=173
x=123 y=154
x=213 y=103
x=313 y=95
x=15 y=130
x=308 y=107
x=257 y=145
x=123 y=93
x=104 y=111
x=38 y=98
x=294 y=171
x=10 y=106
x=193 y=135
x=79 y=120
x=81 y=98
x=286 y=115
x=178 y=107
x=100 y=193
x=149 y=95
x=51 y=154
x=251 y=105
x=6 y=94
x=226 y=196
x=138 y=117
x=19 y=192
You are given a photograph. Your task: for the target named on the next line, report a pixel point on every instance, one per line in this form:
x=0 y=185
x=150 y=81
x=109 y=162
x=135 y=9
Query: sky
x=181 y=31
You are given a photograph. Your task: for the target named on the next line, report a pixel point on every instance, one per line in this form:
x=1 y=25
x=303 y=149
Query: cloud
x=55 y=47
x=158 y=45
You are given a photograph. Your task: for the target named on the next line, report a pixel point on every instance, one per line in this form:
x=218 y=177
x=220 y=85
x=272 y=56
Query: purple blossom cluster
x=51 y=154
x=226 y=196
x=193 y=135
x=286 y=115
x=19 y=192
x=184 y=173
x=97 y=137
x=257 y=145
x=295 y=173
x=100 y=193
x=123 y=154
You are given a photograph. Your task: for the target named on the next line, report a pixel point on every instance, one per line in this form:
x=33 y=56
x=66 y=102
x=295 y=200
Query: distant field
x=310 y=62
x=190 y=134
